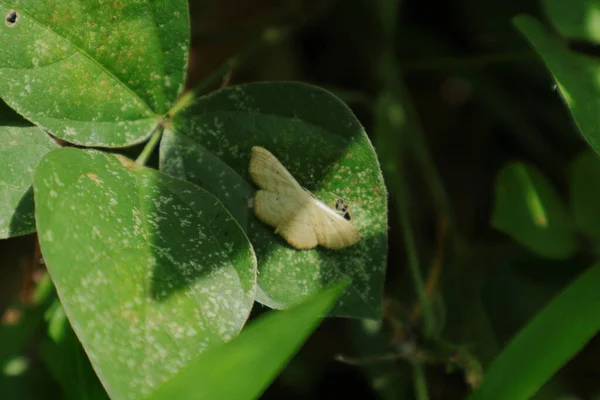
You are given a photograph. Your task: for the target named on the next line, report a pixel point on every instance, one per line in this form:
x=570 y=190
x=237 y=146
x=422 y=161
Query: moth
x=300 y=218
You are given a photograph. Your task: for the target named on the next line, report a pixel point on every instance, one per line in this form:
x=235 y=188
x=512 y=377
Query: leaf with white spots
x=151 y=270
x=321 y=143
x=254 y=358
x=21 y=149
x=92 y=72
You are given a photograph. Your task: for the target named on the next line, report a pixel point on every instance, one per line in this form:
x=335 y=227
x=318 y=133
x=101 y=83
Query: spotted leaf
x=318 y=139
x=97 y=73
x=151 y=270
x=21 y=148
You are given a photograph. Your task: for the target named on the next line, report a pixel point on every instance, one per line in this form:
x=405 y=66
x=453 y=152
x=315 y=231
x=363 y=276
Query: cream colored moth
x=300 y=218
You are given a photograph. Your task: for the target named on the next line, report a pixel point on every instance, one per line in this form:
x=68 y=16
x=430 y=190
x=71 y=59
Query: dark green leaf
x=90 y=72
x=151 y=270
x=575 y=19
x=318 y=139
x=553 y=337
x=67 y=360
x=575 y=74
x=14 y=336
x=528 y=209
x=585 y=194
x=21 y=148
x=243 y=368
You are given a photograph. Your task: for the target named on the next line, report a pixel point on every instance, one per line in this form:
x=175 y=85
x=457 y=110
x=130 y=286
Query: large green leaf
x=585 y=195
x=318 y=139
x=243 y=368
x=21 y=148
x=529 y=210
x=553 y=337
x=577 y=77
x=575 y=19
x=151 y=270
x=93 y=72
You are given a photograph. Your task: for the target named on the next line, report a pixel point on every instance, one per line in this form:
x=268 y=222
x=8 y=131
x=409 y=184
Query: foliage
x=126 y=157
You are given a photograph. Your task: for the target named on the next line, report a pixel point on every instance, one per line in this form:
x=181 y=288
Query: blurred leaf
x=318 y=139
x=26 y=380
x=67 y=360
x=21 y=148
x=575 y=19
x=391 y=379
x=151 y=270
x=576 y=75
x=15 y=335
x=244 y=367
x=548 y=341
x=585 y=194
x=528 y=209
x=93 y=73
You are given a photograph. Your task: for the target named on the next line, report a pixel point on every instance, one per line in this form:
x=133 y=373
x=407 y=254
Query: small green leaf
x=585 y=194
x=575 y=19
x=151 y=270
x=93 y=73
x=318 y=139
x=576 y=75
x=21 y=149
x=254 y=358
x=528 y=209
x=548 y=341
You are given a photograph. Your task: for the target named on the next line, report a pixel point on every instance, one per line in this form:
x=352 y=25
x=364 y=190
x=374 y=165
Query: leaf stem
x=150 y=145
x=420 y=383
x=268 y=37
x=412 y=255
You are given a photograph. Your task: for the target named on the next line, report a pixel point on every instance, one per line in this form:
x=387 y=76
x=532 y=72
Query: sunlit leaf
x=93 y=72
x=151 y=270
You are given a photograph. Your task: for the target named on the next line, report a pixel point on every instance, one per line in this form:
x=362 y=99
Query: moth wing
x=269 y=174
x=289 y=215
x=333 y=230
x=299 y=231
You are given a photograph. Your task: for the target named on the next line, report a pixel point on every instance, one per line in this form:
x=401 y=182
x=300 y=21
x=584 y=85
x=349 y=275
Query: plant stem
x=150 y=145
x=269 y=37
x=420 y=383
x=412 y=254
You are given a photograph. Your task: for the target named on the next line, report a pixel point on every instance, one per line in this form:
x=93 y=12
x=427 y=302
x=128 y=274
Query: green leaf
x=67 y=361
x=318 y=139
x=254 y=358
x=575 y=19
x=553 y=337
x=21 y=149
x=91 y=72
x=151 y=270
x=528 y=209
x=585 y=194
x=576 y=76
